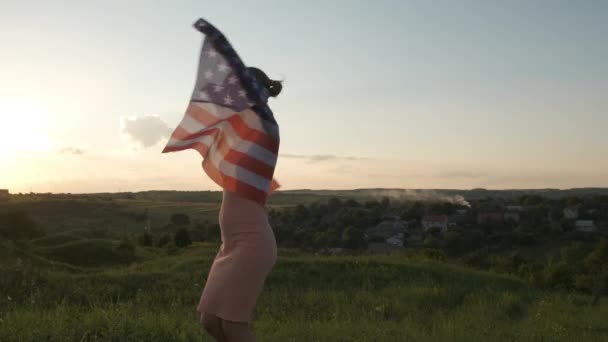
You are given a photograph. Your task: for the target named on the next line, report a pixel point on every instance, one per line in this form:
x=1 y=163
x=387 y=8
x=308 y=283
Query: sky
x=377 y=94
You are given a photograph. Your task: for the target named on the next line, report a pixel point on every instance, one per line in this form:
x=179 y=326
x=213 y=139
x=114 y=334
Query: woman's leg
x=213 y=326
x=237 y=331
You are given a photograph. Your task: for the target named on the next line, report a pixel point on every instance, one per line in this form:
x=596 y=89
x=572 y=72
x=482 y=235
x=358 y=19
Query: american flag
x=228 y=121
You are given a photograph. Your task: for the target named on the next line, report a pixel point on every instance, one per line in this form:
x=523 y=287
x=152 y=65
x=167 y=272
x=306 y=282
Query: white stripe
x=238 y=172
x=230 y=169
x=218 y=111
x=235 y=142
x=254 y=121
x=205 y=139
x=250 y=117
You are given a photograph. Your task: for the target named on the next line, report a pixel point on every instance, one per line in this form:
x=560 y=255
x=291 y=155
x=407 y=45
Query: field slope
x=307 y=298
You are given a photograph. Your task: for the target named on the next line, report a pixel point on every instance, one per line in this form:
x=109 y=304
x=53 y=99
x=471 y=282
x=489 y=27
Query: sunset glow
x=23 y=129
x=390 y=94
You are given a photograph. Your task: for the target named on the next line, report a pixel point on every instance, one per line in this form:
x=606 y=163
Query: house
x=439 y=221
x=489 y=217
x=387 y=229
x=586 y=226
x=571 y=213
x=457 y=218
x=335 y=250
x=512 y=217
x=4 y=194
x=396 y=240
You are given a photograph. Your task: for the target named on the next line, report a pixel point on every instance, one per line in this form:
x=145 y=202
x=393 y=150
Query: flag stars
x=218 y=88
x=232 y=80
x=242 y=93
x=228 y=100
x=212 y=53
x=203 y=96
x=222 y=67
x=208 y=74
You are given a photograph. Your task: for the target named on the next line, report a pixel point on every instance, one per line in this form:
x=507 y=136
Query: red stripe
x=275 y=185
x=242 y=159
x=250 y=163
x=232 y=184
x=232 y=155
x=228 y=182
x=238 y=125
x=198 y=146
x=201 y=115
x=181 y=134
x=253 y=135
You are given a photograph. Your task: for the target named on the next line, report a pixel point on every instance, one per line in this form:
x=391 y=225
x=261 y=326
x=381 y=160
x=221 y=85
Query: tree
x=414 y=212
x=385 y=203
x=127 y=249
x=334 y=204
x=531 y=200
x=352 y=203
x=180 y=219
x=300 y=213
x=182 y=238
x=333 y=236
x=145 y=239
x=556 y=213
x=431 y=242
x=353 y=238
x=163 y=240
x=598 y=257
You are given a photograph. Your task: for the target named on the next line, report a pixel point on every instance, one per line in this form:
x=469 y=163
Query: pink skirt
x=246 y=256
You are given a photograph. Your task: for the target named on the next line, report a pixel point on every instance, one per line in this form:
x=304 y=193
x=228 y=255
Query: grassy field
x=79 y=215
x=76 y=284
x=307 y=298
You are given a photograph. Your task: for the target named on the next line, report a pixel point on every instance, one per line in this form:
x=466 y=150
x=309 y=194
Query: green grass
x=94 y=253
x=306 y=298
x=56 y=239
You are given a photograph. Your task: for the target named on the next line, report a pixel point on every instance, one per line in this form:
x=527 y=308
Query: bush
x=92 y=252
x=180 y=219
x=18 y=226
x=126 y=248
x=182 y=238
x=164 y=240
x=431 y=242
x=353 y=238
x=145 y=239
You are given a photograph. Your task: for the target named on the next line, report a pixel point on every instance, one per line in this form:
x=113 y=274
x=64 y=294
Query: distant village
x=390 y=225
x=395 y=233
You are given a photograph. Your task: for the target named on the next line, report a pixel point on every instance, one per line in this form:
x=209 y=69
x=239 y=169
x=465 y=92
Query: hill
x=307 y=298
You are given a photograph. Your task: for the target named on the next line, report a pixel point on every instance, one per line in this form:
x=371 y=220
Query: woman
x=247 y=254
x=229 y=122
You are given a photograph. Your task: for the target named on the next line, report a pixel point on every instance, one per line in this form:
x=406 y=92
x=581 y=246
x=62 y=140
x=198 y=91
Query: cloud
x=145 y=130
x=320 y=157
x=72 y=150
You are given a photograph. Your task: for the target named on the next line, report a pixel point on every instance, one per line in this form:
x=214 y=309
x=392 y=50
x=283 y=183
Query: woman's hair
x=273 y=87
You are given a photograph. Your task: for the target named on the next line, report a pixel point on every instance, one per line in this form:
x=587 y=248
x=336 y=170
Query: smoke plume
x=420 y=195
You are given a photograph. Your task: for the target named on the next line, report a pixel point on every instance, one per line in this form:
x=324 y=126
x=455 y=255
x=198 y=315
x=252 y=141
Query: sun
x=23 y=128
